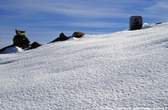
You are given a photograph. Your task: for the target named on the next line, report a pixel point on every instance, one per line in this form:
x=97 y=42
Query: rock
x=20 y=32
x=136 y=22
x=159 y=22
x=21 y=40
x=10 y=49
x=62 y=37
x=3 y=49
x=34 y=45
x=78 y=34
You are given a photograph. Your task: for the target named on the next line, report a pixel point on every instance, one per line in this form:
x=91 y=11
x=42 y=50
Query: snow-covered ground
x=126 y=69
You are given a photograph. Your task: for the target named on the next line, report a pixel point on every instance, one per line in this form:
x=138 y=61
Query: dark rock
x=34 y=45
x=78 y=34
x=20 y=32
x=3 y=49
x=62 y=37
x=159 y=22
x=21 y=40
x=10 y=49
x=136 y=22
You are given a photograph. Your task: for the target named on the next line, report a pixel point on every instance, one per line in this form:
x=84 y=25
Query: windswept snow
x=126 y=69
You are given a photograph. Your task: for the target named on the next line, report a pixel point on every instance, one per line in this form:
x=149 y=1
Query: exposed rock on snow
x=20 y=39
x=136 y=22
x=11 y=49
x=78 y=34
x=126 y=69
x=34 y=45
x=62 y=37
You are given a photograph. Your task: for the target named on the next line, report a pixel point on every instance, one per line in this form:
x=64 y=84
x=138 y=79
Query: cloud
x=40 y=17
x=97 y=8
x=158 y=10
x=96 y=24
x=75 y=8
x=159 y=6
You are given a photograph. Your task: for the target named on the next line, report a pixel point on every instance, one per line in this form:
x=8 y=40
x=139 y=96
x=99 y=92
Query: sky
x=43 y=20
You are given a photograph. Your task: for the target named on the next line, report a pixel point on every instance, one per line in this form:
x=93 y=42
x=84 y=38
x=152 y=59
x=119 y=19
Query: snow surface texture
x=13 y=49
x=99 y=72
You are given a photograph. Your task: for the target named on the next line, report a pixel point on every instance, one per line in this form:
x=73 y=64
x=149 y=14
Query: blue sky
x=45 y=19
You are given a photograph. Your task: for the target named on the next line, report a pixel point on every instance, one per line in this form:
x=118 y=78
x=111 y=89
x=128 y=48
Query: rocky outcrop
x=78 y=34
x=3 y=49
x=20 y=32
x=21 y=40
x=34 y=45
x=62 y=37
x=10 y=49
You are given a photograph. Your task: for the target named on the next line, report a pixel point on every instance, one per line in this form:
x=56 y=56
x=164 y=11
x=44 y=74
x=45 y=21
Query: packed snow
x=147 y=25
x=123 y=70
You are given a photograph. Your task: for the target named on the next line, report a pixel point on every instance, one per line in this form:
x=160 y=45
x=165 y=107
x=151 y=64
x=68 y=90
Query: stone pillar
x=136 y=22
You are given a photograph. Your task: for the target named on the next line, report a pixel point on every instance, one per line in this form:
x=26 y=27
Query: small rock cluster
x=63 y=37
x=20 y=40
x=23 y=42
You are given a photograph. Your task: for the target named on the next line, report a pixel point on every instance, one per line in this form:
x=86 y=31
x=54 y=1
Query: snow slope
x=100 y=72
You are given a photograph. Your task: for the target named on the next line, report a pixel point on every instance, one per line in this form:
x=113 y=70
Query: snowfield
x=127 y=69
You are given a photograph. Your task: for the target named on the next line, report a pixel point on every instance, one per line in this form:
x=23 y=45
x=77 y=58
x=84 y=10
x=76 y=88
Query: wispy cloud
x=84 y=8
x=72 y=8
x=48 y=16
x=158 y=10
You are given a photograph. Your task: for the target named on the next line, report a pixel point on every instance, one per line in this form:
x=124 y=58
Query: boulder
x=3 y=49
x=62 y=37
x=21 y=40
x=10 y=49
x=136 y=23
x=78 y=34
x=34 y=45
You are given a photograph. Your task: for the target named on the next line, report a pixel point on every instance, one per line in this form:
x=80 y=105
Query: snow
x=147 y=25
x=127 y=69
x=13 y=49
